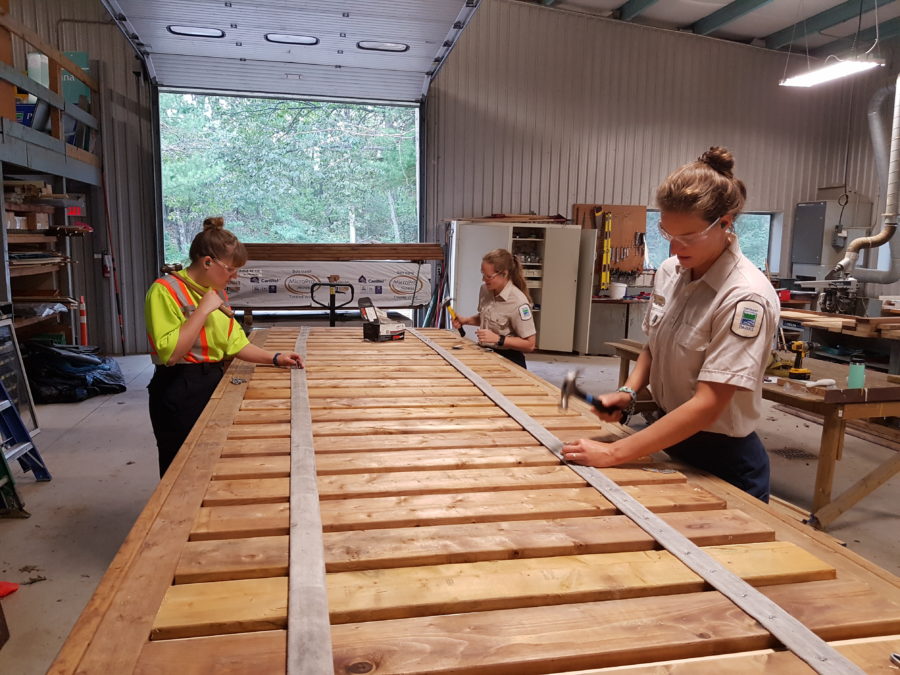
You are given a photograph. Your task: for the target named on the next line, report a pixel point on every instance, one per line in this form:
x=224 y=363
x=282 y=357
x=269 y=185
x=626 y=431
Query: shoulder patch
x=524 y=312
x=747 y=321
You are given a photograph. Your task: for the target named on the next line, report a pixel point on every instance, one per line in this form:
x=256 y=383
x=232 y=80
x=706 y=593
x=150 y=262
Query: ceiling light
x=196 y=31
x=383 y=46
x=831 y=71
x=281 y=38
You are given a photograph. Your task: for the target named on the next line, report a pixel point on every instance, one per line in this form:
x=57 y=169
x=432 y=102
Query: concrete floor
x=102 y=456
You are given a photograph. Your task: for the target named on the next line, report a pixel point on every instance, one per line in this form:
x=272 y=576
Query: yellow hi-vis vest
x=168 y=305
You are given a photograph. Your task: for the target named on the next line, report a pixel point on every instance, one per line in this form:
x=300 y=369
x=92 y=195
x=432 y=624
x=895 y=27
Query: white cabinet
x=549 y=257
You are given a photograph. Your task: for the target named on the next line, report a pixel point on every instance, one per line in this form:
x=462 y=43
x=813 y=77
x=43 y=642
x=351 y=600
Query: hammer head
x=446 y=303
x=567 y=389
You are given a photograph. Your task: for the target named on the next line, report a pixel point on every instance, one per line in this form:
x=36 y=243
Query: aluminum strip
x=309 y=625
x=799 y=639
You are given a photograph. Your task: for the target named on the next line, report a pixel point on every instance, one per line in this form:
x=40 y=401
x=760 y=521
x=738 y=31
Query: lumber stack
x=860 y=326
x=453 y=542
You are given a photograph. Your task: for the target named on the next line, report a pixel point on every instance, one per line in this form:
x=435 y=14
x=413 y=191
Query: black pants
x=743 y=462
x=516 y=357
x=178 y=395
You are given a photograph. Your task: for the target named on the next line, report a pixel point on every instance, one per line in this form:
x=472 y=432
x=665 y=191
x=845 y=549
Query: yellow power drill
x=801 y=349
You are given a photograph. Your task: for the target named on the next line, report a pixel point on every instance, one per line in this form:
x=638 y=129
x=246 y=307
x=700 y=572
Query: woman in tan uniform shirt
x=710 y=325
x=504 y=319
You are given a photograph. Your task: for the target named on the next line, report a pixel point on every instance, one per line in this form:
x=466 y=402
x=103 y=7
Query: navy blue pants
x=178 y=394
x=513 y=355
x=743 y=462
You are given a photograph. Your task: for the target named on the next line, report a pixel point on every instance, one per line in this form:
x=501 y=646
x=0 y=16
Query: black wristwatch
x=501 y=341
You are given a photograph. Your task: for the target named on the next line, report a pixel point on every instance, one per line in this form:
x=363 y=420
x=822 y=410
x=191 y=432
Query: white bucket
x=617 y=291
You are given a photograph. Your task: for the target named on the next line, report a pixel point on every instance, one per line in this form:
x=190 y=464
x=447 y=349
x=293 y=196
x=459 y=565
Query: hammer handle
x=606 y=409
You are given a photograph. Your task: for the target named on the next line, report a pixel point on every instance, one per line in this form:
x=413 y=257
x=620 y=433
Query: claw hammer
x=569 y=388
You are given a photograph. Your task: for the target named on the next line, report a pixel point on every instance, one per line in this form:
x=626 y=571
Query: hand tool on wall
x=446 y=305
x=569 y=388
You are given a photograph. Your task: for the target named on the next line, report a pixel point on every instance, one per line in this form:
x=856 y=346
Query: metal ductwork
x=889 y=180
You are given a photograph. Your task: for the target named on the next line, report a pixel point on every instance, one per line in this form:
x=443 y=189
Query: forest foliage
x=287 y=171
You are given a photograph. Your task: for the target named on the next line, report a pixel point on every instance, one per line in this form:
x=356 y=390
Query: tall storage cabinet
x=548 y=254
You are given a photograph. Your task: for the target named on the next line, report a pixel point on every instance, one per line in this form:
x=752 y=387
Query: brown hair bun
x=718 y=159
x=217 y=223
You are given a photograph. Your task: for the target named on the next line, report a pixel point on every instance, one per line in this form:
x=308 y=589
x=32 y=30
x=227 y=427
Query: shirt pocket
x=693 y=338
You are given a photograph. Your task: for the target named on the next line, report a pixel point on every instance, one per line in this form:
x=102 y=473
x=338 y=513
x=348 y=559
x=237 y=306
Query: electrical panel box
x=822 y=230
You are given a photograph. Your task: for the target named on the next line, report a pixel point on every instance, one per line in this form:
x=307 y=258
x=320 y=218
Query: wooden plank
x=251 y=520
x=264 y=652
x=256 y=446
x=613 y=633
x=344 y=252
x=456 y=458
x=376 y=595
x=110 y=633
x=254 y=557
x=867 y=653
x=469 y=439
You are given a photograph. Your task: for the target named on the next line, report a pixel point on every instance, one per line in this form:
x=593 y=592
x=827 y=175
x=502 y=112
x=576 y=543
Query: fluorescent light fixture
x=831 y=71
x=284 y=39
x=196 y=31
x=382 y=46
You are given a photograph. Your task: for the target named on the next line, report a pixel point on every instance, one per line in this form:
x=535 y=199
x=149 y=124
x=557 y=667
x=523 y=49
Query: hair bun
x=217 y=223
x=718 y=159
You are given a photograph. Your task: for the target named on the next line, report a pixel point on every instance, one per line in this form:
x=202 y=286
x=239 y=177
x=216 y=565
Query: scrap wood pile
x=860 y=326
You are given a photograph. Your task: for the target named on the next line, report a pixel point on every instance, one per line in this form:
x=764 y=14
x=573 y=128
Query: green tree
x=288 y=171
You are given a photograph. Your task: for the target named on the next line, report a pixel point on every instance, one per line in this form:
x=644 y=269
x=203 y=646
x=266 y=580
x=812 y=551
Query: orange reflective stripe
x=204 y=344
x=165 y=284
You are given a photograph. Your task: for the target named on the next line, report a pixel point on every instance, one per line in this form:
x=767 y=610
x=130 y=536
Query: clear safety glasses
x=688 y=239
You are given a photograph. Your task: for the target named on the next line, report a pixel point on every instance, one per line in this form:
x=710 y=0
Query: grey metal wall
x=127 y=137
x=537 y=109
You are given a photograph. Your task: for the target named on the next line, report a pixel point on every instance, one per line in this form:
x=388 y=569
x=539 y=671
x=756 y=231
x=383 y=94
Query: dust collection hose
x=846 y=266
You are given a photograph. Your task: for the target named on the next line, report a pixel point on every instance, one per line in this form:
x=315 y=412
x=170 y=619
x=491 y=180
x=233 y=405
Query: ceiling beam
x=822 y=21
x=730 y=12
x=886 y=30
x=633 y=8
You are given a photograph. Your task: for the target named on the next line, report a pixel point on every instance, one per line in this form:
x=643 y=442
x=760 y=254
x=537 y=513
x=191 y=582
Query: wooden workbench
x=881 y=399
x=453 y=542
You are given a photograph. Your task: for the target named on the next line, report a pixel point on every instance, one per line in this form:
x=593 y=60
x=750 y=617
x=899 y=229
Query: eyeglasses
x=227 y=268
x=688 y=239
x=488 y=277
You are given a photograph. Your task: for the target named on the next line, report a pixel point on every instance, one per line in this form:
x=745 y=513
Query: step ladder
x=16 y=444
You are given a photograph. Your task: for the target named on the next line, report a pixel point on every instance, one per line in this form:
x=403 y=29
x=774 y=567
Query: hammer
x=168 y=268
x=446 y=305
x=569 y=388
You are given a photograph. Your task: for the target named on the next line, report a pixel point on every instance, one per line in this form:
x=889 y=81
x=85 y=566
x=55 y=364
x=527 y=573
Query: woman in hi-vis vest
x=192 y=332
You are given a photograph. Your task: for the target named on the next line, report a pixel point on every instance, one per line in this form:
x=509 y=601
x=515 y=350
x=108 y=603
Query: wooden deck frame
x=467 y=529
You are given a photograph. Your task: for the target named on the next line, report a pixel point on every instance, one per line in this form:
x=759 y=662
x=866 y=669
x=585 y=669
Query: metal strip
x=799 y=639
x=309 y=625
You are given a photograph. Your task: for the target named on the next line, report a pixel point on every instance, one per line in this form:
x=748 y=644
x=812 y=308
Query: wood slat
x=433 y=545
x=249 y=520
x=376 y=595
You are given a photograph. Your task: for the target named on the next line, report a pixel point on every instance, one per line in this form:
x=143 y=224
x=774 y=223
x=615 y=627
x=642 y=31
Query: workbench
x=451 y=540
x=881 y=399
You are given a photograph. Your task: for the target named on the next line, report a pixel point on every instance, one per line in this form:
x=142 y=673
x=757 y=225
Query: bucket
x=617 y=291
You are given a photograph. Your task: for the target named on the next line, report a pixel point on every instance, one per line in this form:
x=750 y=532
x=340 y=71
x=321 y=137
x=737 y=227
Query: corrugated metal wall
x=537 y=109
x=127 y=135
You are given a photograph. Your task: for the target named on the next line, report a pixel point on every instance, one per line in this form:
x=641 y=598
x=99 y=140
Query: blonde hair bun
x=718 y=159
x=217 y=223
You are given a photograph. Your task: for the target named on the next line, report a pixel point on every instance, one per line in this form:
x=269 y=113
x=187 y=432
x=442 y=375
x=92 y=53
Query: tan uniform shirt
x=718 y=328
x=506 y=314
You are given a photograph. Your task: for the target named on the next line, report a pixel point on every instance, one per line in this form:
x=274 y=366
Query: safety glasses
x=688 y=239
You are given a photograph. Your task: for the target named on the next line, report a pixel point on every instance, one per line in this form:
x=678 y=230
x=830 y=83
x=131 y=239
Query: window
x=753 y=230
x=287 y=171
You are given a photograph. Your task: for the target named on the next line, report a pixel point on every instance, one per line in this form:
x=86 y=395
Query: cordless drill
x=801 y=349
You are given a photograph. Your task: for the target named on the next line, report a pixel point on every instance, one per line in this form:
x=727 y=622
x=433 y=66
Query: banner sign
x=286 y=284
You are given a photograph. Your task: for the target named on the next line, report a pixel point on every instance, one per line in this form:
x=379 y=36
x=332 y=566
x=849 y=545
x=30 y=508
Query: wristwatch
x=501 y=341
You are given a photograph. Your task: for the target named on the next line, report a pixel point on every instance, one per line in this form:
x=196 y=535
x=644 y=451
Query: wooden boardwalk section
x=453 y=541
